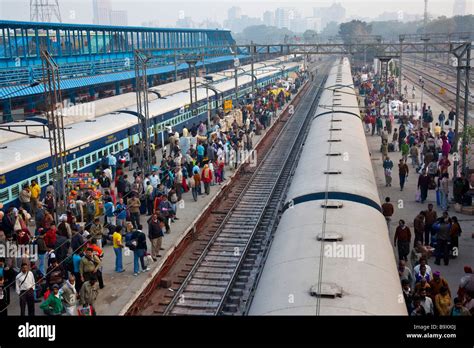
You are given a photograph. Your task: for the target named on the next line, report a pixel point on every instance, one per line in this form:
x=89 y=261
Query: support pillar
x=465 y=144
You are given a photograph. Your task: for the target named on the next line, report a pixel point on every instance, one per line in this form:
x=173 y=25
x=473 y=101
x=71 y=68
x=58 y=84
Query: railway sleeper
x=204 y=289
x=215 y=265
x=212 y=276
x=221 y=259
x=228 y=241
x=254 y=215
x=207 y=282
x=239 y=285
x=190 y=311
x=233 y=299
x=215 y=270
x=227 y=255
x=196 y=304
x=230 y=309
x=236 y=292
x=242 y=278
x=242 y=233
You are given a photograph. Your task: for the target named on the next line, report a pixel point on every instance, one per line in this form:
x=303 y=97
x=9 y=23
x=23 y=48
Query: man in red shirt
x=206 y=177
x=96 y=250
x=403 y=237
x=387 y=210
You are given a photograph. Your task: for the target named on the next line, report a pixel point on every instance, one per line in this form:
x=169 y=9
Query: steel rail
x=252 y=195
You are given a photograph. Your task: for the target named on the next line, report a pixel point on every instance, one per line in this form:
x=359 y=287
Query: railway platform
x=407 y=208
x=122 y=289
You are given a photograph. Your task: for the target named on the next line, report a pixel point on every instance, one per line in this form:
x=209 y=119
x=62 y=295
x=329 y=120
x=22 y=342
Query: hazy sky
x=166 y=12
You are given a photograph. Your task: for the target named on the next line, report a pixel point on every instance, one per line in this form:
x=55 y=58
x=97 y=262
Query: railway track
x=240 y=295
x=441 y=66
x=434 y=80
x=220 y=281
x=160 y=291
x=433 y=86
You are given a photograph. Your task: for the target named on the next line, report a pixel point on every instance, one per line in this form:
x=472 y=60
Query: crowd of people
x=67 y=274
x=407 y=131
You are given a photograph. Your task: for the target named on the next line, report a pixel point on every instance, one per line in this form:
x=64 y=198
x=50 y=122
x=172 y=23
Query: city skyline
x=167 y=14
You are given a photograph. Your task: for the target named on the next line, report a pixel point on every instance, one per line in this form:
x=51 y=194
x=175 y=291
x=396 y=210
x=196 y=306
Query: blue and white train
x=23 y=159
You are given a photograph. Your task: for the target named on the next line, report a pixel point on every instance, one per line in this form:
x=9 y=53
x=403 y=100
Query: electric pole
x=44 y=11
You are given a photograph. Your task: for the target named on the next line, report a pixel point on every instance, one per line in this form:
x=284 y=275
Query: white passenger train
x=331 y=253
x=23 y=159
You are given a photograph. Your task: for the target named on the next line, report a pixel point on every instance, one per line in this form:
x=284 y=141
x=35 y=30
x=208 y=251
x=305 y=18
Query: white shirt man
x=154 y=180
x=112 y=160
x=108 y=173
x=23 y=284
x=427 y=304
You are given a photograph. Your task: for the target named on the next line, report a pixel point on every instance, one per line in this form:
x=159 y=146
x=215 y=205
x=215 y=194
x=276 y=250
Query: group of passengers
x=425 y=291
x=68 y=271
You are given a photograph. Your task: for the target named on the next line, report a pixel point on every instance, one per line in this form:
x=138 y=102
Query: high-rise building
x=234 y=13
x=460 y=7
x=152 y=24
x=101 y=11
x=269 y=18
x=209 y=24
x=185 y=22
x=313 y=23
x=334 y=13
x=297 y=23
x=119 y=18
x=283 y=16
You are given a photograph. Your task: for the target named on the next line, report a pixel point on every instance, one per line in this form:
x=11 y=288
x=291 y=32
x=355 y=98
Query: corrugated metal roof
x=20 y=91
x=70 y=26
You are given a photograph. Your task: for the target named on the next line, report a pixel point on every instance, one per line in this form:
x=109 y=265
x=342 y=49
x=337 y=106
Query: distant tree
x=263 y=34
x=310 y=36
x=348 y=31
x=390 y=30
x=331 y=29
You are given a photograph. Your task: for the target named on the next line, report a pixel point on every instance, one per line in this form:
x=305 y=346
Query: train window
x=88 y=160
x=100 y=154
x=332 y=172
x=94 y=157
x=81 y=163
x=334 y=140
x=116 y=147
x=15 y=191
x=74 y=165
x=43 y=179
x=334 y=154
x=4 y=196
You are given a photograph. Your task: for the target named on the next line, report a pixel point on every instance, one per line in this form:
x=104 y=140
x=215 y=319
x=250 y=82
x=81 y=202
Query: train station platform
x=122 y=289
x=407 y=208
